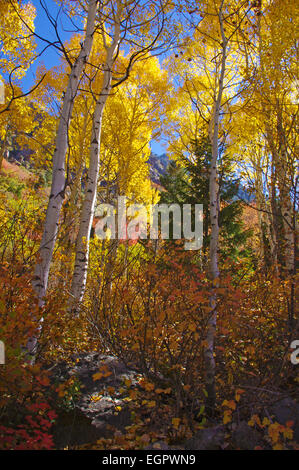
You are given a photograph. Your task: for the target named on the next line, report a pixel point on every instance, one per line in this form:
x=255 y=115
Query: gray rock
x=95 y=414
x=246 y=438
x=286 y=410
x=207 y=439
x=157 y=446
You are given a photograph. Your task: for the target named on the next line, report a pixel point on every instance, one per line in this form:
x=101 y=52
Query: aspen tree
x=121 y=18
x=56 y=197
x=214 y=214
x=59 y=178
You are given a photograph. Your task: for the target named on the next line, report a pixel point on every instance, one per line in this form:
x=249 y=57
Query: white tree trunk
x=285 y=185
x=287 y=218
x=87 y=214
x=42 y=267
x=280 y=160
x=214 y=241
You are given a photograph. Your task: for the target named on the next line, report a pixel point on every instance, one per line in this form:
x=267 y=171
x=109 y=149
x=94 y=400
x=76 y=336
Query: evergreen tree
x=187 y=182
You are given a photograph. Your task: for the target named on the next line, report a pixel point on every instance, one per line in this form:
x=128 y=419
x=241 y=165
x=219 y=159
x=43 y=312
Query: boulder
x=286 y=410
x=96 y=413
x=207 y=439
x=246 y=438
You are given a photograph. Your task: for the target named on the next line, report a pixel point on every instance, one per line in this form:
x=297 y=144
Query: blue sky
x=50 y=57
x=44 y=28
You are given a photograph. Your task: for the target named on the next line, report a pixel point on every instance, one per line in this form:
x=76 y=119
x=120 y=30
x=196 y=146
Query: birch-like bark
x=266 y=215
x=280 y=162
x=58 y=179
x=270 y=216
x=87 y=214
x=214 y=240
x=72 y=217
x=260 y=205
x=41 y=274
x=284 y=184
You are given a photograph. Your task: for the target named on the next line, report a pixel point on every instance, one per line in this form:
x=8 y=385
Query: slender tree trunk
x=42 y=267
x=260 y=205
x=284 y=184
x=214 y=241
x=82 y=246
x=71 y=220
x=272 y=217
x=266 y=217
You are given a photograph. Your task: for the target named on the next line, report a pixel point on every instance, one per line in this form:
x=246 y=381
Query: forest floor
x=97 y=412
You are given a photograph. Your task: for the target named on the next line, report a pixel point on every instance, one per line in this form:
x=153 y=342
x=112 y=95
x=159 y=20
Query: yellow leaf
x=176 y=422
x=255 y=420
x=227 y=417
x=97 y=376
x=273 y=431
x=230 y=404
x=96 y=398
x=103 y=372
x=151 y=404
x=288 y=433
x=149 y=386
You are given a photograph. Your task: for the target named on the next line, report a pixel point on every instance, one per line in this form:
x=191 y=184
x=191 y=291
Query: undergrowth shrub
x=27 y=393
x=154 y=318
